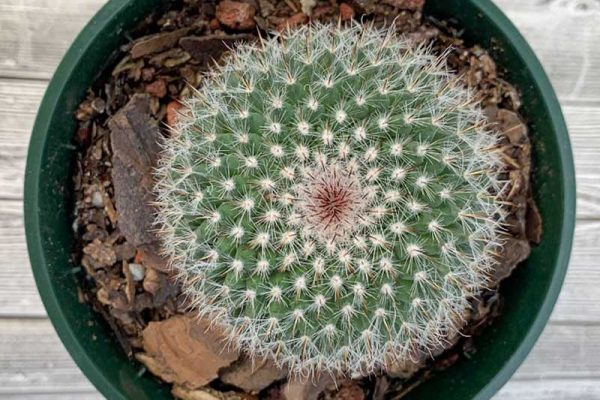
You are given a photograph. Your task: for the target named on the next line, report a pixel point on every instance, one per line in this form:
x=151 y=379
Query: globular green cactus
x=330 y=196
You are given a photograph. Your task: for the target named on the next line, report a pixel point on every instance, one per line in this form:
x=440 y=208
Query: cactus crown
x=330 y=197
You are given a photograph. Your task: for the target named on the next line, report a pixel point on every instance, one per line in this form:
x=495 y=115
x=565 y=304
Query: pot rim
x=35 y=162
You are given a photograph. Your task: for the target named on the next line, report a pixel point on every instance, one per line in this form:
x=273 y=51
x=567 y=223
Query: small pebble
x=157 y=88
x=346 y=12
x=137 y=271
x=98 y=105
x=172 y=112
x=236 y=15
x=97 y=200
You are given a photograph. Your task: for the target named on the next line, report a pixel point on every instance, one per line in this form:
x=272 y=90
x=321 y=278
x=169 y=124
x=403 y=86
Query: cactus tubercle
x=330 y=197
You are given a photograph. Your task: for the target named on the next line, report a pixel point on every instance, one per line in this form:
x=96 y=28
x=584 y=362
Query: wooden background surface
x=565 y=363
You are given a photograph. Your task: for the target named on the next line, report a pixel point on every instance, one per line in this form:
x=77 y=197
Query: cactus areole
x=330 y=197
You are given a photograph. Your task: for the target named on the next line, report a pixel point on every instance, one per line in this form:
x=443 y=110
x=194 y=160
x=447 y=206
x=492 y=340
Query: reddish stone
x=138 y=257
x=235 y=15
x=157 y=88
x=214 y=24
x=83 y=135
x=172 y=112
x=346 y=12
x=293 y=21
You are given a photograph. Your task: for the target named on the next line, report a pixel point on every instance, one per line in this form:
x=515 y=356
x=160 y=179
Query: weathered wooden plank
x=551 y=389
x=579 y=300
x=564 y=351
x=18 y=293
x=584 y=130
x=573 y=7
x=72 y=395
x=33 y=361
x=35 y=36
x=19 y=101
x=563 y=34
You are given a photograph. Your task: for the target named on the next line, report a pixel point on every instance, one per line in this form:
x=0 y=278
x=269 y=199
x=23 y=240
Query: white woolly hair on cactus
x=330 y=197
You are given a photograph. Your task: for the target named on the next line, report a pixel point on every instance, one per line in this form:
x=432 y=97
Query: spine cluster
x=331 y=199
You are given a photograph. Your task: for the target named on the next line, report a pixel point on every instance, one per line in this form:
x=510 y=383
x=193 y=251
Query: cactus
x=330 y=197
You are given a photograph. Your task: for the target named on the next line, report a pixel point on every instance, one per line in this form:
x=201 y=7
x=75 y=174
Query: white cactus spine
x=331 y=199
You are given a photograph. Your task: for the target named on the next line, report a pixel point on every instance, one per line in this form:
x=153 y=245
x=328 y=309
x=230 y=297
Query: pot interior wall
x=530 y=293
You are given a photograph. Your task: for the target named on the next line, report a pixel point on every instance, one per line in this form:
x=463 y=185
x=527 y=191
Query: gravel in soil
x=120 y=125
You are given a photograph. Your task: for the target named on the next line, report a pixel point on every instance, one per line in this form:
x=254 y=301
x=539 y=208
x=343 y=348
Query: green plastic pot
x=530 y=293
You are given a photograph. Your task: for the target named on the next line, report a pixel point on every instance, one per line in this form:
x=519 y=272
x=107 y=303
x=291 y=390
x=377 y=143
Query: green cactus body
x=330 y=197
